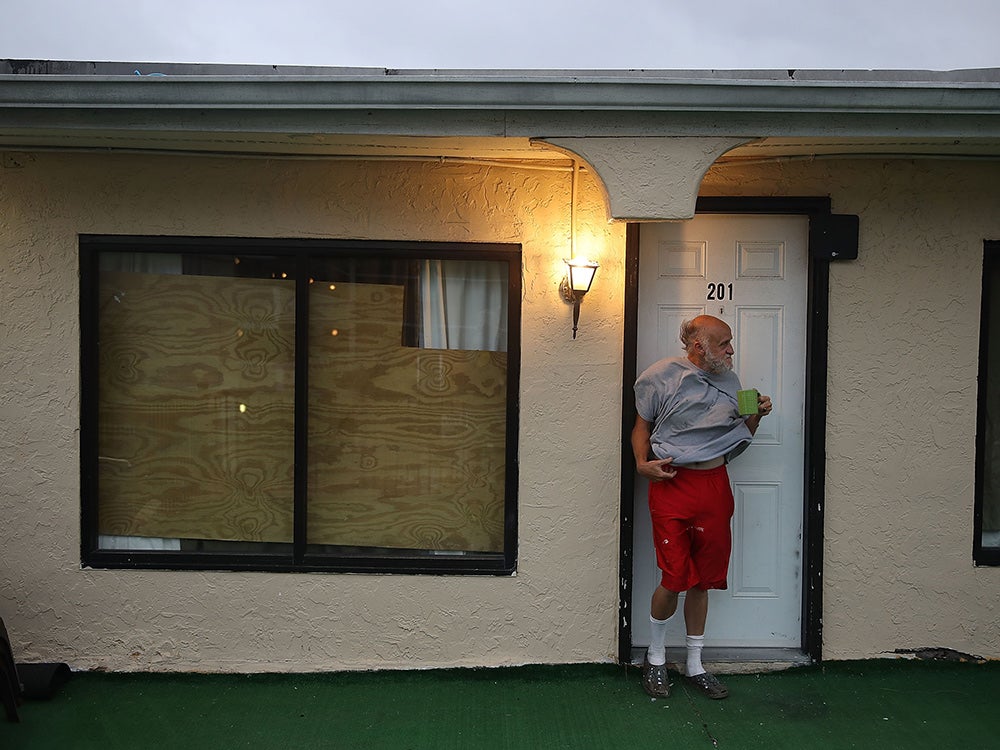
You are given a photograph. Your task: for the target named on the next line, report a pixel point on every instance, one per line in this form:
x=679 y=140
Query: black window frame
x=301 y=560
x=986 y=556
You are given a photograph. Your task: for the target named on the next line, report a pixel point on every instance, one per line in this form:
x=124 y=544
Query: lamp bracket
x=566 y=291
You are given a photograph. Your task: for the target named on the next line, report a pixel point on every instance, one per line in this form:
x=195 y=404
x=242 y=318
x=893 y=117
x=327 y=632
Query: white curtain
x=107 y=541
x=463 y=305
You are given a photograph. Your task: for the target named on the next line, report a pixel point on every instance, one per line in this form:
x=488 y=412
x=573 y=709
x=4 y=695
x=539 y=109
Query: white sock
x=695 y=643
x=657 y=652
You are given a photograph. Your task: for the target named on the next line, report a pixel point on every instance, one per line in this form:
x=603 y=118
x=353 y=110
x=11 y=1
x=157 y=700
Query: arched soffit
x=652 y=178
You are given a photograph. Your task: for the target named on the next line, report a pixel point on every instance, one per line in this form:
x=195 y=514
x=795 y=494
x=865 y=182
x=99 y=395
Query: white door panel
x=750 y=271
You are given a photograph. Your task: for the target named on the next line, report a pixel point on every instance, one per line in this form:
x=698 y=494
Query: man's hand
x=763 y=405
x=656 y=470
x=763 y=409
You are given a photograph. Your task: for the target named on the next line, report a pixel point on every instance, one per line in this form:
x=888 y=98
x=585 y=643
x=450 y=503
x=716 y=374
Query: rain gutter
x=504 y=104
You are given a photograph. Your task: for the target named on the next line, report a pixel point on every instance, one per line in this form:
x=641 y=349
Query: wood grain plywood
x=179 y=355
x=407 y=445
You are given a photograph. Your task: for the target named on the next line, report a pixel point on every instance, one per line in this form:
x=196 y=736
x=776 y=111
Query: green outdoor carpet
x=870 y=704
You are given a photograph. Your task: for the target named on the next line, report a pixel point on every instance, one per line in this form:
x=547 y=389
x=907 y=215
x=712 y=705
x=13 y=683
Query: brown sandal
x=655 y=679
x=709 y=685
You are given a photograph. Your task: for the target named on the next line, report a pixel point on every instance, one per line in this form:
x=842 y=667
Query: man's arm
x=654 y=469
x=763 y=409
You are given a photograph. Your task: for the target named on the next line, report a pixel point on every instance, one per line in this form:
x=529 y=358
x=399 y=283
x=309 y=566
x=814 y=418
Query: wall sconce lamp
x=576 y=284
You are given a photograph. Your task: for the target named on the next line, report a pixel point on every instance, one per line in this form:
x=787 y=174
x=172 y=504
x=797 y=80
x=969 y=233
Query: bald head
x=708 y=342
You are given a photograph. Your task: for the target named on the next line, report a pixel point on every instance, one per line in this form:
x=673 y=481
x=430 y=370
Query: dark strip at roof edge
x=843 y=77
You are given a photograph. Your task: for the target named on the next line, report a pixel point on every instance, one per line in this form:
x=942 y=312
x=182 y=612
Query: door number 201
x=720 y=292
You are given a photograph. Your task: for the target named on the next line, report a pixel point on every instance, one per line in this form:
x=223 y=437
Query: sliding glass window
x=299 y=405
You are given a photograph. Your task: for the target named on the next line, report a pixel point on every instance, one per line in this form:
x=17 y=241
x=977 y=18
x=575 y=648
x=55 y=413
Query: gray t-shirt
x=693 y=412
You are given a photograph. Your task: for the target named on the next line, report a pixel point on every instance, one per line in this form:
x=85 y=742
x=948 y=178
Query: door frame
x=818 y=211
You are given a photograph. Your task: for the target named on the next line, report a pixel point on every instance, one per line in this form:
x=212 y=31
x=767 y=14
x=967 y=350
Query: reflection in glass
x=407 y=406
x=195 y=405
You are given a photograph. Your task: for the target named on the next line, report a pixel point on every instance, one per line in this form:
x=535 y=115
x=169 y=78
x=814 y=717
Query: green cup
x=747 y=401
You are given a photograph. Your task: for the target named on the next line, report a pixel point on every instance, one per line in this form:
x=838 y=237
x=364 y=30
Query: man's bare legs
x=662 y=607
x=664 y=604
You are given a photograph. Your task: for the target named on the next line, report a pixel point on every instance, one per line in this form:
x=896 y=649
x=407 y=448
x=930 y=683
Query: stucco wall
x=901 y=422
x=904 y=327
x=562 y=604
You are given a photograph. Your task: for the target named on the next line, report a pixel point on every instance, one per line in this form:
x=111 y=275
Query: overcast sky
x=562 y=34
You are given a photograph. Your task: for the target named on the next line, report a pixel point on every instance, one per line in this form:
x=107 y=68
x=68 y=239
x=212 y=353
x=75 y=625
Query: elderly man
x=687 y=428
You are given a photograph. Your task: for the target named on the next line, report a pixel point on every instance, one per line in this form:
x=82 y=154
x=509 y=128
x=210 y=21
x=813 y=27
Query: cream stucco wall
x=561 y=606
x=901 y=422
x=904 y=328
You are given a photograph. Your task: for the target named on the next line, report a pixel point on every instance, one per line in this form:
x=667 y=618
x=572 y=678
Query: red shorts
x=691 y=533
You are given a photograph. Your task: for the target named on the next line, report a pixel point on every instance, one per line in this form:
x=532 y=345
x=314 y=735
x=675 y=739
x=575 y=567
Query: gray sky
x=564 y=34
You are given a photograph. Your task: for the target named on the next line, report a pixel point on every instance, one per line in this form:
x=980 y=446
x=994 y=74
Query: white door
x=750 y=271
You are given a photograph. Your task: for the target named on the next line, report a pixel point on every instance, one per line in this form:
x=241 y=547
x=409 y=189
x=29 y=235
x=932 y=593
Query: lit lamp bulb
x=577 y=283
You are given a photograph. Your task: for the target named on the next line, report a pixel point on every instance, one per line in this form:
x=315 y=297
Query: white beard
x=716 y=366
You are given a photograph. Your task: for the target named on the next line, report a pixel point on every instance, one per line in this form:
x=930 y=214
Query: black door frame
x=814 y=500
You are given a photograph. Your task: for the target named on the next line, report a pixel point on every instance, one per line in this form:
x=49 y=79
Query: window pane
x=407 y=446
x=990 y=532
x=195 y=402
x=221 y=428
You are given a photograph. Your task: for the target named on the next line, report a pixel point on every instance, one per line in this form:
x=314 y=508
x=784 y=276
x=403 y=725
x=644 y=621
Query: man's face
x=717 y=350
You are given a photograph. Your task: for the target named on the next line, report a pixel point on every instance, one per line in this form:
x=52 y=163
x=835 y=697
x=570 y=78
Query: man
x=686 y=430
